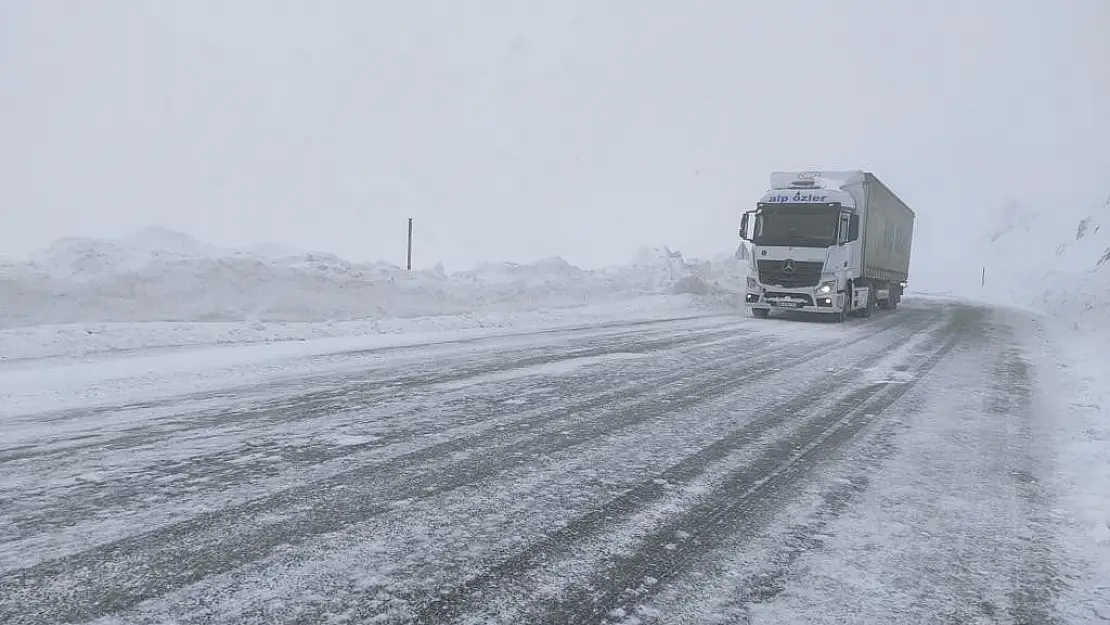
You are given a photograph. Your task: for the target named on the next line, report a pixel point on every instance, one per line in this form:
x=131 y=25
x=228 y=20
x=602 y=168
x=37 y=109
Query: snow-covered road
x=696 y=470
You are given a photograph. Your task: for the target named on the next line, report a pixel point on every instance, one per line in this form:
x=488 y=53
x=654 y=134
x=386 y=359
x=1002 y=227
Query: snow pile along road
x=152 y=288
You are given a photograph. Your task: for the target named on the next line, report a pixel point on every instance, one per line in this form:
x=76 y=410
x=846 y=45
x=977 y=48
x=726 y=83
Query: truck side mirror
x=853 y=228
x=744 y=227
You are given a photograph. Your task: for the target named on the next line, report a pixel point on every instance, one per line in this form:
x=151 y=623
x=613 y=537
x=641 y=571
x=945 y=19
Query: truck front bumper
x=806 y=300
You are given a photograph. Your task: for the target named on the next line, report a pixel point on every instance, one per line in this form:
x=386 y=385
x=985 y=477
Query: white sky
x=517 y=129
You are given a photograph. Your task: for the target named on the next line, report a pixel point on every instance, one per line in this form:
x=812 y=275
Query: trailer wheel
x=888 y=303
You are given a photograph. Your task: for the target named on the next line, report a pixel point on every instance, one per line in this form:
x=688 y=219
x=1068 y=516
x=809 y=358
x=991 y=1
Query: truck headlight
x=827 y=287
x=753 y=283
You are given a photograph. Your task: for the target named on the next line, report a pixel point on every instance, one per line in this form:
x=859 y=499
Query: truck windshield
x=799 y=225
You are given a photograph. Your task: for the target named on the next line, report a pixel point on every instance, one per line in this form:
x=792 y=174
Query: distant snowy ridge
x=157 y=275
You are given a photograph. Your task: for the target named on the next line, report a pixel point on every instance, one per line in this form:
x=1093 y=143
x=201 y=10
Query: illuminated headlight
x=753 y=283
x=827 y=287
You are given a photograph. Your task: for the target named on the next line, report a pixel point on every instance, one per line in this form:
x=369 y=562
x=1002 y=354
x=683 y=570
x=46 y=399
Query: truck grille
x=776 y=273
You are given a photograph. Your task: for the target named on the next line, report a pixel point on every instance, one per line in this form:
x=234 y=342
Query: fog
x=514 y=130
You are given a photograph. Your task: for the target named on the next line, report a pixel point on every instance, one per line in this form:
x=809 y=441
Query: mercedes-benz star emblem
x=788 y=266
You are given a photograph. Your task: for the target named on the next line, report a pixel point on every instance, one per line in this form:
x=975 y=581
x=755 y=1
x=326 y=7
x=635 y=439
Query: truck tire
x=760 y=313
x=889 y=302
x=872 y=302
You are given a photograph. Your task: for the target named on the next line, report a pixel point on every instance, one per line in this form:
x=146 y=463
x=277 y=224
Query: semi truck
x=830 y=242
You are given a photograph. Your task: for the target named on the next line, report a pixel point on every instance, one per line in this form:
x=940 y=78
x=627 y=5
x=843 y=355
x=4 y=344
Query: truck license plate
x=788 y=304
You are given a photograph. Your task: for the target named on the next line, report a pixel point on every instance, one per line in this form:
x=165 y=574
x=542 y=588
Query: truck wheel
x=888 y=303
x=872 y=301
x=760 y=313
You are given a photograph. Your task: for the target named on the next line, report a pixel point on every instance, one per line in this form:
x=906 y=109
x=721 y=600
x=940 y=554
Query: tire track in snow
x=754 y=568
x=746 y=501
x=501 y=578
x=978 y=549
x=1037 y=581
x=171 y=557
x=116 y=576
x=431 y=559
x=112 y=353
x=212 y=472
x=209 y=475
x=336 y=394
x=399 y=409
x=86 y=498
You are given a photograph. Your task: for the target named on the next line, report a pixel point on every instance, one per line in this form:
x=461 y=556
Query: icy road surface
x=704 y=470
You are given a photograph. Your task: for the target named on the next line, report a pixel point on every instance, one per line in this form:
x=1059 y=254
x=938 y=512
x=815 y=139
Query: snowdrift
x=79 y=290
x=161 y=275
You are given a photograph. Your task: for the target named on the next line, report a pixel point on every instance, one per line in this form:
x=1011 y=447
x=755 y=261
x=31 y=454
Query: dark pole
x=408 y=265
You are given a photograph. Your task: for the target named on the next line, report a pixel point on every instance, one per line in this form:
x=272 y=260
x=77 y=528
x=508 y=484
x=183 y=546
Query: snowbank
x=161 y=288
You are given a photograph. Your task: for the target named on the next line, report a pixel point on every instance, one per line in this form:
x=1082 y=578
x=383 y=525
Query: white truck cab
x=834 y=243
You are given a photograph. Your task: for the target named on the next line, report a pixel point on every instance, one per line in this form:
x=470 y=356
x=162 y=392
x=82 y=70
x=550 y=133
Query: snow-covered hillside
x=1079 y=282
x=1054 y=261
x=84 y=288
